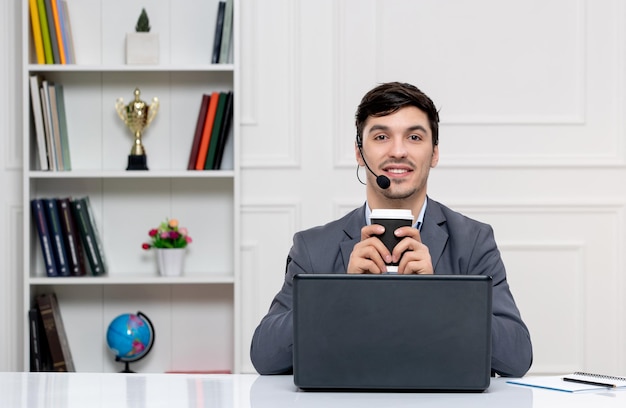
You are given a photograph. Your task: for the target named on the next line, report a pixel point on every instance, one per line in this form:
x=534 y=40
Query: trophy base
x=137 y=162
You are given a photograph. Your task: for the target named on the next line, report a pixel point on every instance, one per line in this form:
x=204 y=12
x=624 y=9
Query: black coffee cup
x=391 y=219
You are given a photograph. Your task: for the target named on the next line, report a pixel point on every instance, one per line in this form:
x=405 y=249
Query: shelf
x=130 y=68
x=132 y=280
x=158 y=174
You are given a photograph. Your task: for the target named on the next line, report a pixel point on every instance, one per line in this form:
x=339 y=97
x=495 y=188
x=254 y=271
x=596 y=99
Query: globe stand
x=126 y=366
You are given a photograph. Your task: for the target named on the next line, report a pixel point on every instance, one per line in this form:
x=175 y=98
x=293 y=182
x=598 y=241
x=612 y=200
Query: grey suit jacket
x=457 y=245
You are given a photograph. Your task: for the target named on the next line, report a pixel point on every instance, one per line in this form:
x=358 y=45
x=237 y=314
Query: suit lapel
x=352 y=228
x=433 y=235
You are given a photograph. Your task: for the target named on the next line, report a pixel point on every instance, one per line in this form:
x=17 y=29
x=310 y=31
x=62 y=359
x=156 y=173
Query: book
x=576 y=382
x=219 y=25
x=35 y=99
x=206 y=131
x=56 y=236
x=45 y=240
x=39 y=350
x=67 y=28
x=54 y=5
x=227 y=33
x=54 y=328
x=215 y=132
x=35 y=356
x=47 y=121
x=81 y=209
x=54 y=125
x=195 y=146
x=224 y=132
x=36 y=31
x=63 y=136
x=73 y=244
x=45 y=32
x=52 y=32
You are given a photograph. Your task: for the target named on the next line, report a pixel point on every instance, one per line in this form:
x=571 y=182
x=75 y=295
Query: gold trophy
x=137 y=116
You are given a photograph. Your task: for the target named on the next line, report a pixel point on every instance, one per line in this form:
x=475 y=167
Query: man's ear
x=435 y=159
x=358 y=156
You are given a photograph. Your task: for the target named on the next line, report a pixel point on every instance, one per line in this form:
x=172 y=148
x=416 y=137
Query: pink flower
x=168 y=234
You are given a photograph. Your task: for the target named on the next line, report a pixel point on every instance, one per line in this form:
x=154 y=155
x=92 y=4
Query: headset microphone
x=382 y=181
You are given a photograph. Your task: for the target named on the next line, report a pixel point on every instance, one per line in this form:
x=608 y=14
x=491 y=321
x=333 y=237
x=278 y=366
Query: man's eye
x=415 y=138
x=382 y=136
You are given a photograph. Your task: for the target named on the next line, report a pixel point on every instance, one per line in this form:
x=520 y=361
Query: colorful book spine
x=73 y=244
x=88 y=235
x=45 y=240
x=224 y=132
x=206 y=131
x=195 y=146
x=36 y=31
x=56 y=15
x=45 y=32
x=56 y=236
x=67 y=30
x=52 y=32
x=215 y=132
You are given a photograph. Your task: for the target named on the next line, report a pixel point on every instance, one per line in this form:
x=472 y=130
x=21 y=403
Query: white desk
x=85 y=390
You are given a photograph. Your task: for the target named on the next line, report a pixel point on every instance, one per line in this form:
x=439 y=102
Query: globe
x=130 y=337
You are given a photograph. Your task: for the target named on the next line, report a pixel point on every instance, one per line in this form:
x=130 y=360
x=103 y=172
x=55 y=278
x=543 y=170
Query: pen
x=575 y=380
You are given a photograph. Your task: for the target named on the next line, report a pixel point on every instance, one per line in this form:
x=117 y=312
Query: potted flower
x=142 y=46
x=170 y=241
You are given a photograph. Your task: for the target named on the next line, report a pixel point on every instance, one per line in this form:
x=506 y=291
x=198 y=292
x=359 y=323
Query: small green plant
x=143 y=23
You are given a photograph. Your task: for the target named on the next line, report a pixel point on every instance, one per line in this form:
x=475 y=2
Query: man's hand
x=370 y=255
x=414 y=256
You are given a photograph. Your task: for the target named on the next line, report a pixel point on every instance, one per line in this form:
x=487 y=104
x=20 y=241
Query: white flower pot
x=142 y=48
x=171 y=261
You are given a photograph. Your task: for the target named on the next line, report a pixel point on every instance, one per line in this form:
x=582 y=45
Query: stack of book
x=49 y=347
x=48 y=105
x=52 y=33
x=222 y=41
x=212 y=130
x=68 y=235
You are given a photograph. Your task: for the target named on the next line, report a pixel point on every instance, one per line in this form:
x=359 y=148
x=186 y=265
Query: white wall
x=531 y=95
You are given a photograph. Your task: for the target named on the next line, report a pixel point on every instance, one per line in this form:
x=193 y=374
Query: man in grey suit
x=397 y=141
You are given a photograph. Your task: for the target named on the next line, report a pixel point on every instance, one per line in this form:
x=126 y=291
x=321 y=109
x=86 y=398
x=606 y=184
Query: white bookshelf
x=194 y=315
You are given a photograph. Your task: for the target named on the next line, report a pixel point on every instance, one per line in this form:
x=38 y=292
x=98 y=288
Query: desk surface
x=84 y=390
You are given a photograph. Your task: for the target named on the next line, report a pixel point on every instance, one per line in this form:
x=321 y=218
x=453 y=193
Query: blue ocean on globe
x=130 y=336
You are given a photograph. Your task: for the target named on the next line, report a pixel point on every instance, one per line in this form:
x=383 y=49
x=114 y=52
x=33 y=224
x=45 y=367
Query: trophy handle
x=152 y=110
x=120 y=108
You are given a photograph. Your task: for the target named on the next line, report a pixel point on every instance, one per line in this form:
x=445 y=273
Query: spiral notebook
x=576 y=382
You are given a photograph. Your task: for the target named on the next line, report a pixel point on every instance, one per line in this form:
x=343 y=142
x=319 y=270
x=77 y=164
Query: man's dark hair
x=388 y=98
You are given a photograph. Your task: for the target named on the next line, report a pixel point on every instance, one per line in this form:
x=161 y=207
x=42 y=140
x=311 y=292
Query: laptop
x=392 y=332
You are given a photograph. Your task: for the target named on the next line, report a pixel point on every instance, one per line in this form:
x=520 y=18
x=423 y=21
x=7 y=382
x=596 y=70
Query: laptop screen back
x=396 y=332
